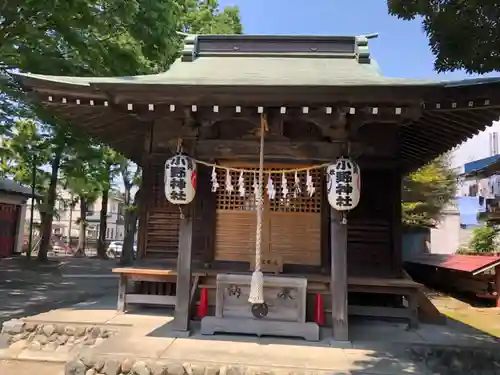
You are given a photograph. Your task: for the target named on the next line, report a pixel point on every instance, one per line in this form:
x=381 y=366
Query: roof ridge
x=271 y=46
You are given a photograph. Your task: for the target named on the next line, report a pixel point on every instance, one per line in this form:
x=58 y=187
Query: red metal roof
x=466 y=263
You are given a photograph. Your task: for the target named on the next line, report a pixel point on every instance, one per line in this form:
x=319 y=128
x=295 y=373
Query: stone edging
x=443 y=360
x=18 y=334
x=87 y=364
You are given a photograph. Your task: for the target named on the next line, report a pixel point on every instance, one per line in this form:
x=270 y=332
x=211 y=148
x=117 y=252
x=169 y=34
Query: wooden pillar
x=147 y=194
x=338 y=282
x=183 y=290
x=497 y=284
x=397 y=227
x=121 y=305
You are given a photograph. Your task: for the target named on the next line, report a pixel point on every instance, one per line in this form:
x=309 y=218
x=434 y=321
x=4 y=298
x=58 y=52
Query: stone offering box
x=285 y=298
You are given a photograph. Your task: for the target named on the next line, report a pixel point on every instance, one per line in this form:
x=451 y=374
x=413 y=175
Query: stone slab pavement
x=145 y=335
x=29 y=288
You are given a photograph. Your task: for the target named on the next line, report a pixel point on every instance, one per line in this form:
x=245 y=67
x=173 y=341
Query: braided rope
x=259 y=200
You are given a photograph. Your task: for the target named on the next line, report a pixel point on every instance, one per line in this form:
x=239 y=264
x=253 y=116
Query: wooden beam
x=183 y=290
x=222 y=149
x=338 y=283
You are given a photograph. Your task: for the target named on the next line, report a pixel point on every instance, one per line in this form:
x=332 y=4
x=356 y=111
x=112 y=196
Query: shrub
x=483 y=240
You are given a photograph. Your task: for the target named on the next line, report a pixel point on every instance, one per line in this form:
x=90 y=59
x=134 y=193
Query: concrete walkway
x=29 y=288
x=144 y=335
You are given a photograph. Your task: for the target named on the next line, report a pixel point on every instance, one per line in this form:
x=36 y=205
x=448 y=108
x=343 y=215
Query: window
x=112 y=234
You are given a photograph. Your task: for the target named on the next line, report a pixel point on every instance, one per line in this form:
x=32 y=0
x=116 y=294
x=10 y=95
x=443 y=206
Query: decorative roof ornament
x=190 y=47
x=361 y=48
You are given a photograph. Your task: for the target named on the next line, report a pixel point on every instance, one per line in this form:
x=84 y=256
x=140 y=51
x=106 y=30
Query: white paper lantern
x=343 y=184
x=180 y=179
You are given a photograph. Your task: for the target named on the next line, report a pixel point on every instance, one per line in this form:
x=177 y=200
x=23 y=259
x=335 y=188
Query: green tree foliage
x=108 y=169
x=463 y=34
x=483 y=240
x=205 y=17
x=131 y=177
x=83 y=180
x=90 y=38
x=427 y=191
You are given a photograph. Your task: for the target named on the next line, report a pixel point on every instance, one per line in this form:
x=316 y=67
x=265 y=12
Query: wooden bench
x=152 y=275
x=399 y=287
x=404 y=287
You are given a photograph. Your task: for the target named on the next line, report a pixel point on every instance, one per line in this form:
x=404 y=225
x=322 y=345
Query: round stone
x=79 y=331
x=53 y=337
x=75 y=367
x=87 y=358
x=126 y=365
x=159 y=369
x=95 y=333
x=60 y=329
x=63 y=339
x=99 y=364
x=48 y=329
x=111 y=367
x=41 y=339
x=140 y=368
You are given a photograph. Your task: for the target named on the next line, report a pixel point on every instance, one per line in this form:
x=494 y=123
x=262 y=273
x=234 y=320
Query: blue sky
x=401 y=49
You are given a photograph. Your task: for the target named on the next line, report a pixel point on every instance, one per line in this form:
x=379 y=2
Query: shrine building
x=314 y=99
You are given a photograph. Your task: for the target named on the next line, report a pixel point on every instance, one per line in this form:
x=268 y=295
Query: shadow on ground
x=28 y=287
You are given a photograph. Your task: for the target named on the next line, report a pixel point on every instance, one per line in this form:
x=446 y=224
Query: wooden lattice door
x=295 y=223
x=235 y=221
x=291 y=225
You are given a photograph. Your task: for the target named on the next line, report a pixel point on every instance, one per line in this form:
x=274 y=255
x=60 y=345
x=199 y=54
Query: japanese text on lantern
x=343 y=183
x=178 y=173
x=180 y=179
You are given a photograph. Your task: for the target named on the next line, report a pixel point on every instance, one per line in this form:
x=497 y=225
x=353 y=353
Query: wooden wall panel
x=369 y=236
x=162 y=237
x=204 y=217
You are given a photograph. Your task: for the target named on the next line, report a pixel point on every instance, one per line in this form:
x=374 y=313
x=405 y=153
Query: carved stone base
x=212 y=324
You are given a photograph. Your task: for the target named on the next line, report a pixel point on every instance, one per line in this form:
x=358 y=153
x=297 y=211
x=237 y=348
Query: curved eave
x=451 y=112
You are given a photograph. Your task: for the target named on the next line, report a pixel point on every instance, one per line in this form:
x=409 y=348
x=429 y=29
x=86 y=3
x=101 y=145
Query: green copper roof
x=249 y=60
x=246 y=60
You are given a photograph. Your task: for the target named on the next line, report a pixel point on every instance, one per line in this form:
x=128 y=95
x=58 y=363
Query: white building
x=478 y=147
x=66 y=219
x=450 y=234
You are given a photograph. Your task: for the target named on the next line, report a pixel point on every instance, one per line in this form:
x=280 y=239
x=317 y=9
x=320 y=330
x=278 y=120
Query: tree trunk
x=70 y=228
x=103 y=226
x=48 y=208
x=131 y=216
x=82 y=235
